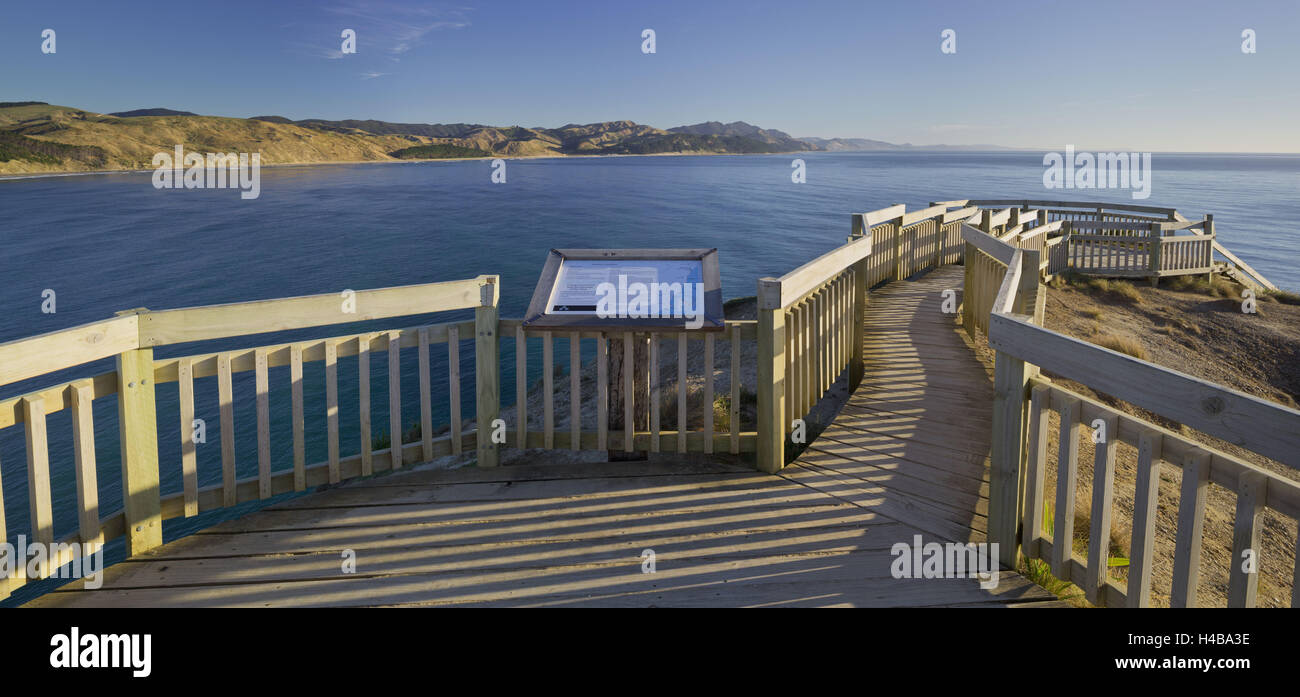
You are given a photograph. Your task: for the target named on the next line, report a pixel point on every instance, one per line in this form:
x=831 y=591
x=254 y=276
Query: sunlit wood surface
x=906 y=456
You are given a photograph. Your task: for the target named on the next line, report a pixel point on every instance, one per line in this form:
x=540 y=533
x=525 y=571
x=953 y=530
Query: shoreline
x=88 y=172
x=14 y=176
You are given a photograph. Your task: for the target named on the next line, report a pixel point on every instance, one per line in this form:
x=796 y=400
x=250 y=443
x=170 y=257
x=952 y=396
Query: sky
x=1158 y=75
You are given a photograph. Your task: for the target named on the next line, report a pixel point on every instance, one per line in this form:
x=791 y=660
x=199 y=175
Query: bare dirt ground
x=1201 y=331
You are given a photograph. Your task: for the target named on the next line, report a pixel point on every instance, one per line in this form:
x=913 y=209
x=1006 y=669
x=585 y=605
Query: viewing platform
x=930 y=444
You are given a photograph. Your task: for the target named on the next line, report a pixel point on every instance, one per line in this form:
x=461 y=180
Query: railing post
x=1154 y=256
x=968 y=283
x=898 y=247
x=857 y=358
x=137 y=419
x=487 y=370
x=771 y=376
x=1007 y=457
x=936 y=260
x=1067 y=230
x=1207 y=228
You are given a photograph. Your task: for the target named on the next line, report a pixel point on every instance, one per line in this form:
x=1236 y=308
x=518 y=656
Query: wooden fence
x=132 y=336
x=810 y=320
x=1023 y=400
x=646 y=379
x=1115 y=240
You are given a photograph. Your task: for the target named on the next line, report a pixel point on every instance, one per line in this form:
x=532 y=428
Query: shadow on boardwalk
x=907 y=456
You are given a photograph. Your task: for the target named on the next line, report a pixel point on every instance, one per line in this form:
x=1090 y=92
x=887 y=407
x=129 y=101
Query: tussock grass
x=1122 y=344
x=722 y=408
x=1285 y=297
x=1040 y=572
x=1216 y=287
x=1109 y=288
x=1125 y=291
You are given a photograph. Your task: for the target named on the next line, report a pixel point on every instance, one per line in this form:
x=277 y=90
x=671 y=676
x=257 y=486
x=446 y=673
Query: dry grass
x=1285 y=297
x=130 y=143
x=1216 y=287
x=1123 y=290
x=1122 y=344
x=1119 y=291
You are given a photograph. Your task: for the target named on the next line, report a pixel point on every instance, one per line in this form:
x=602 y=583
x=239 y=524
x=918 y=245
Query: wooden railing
x=1085 y=211
x=809 y=331
x=905 y=243
x=704 y=438
x=1022 y=403
x=810 y=320
x=1116 y=240
x=131 y=338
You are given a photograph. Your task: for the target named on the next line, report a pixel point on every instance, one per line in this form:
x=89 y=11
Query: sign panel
x=628 y=289
x=582 y=284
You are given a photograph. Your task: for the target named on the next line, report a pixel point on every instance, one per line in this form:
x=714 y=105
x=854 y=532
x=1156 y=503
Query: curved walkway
x=912 y=443
x=907 y=456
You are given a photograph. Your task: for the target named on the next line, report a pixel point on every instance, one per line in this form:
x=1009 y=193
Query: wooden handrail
x=989 y=245
x=879 y=216
x=923 y=214
x=1021 y=400
x=776 y=293
x=963 y=214
x=1106 y=225
x=1091 y=206
x=1053 y=226
x=237 y=319
x=38 y=355
x=1245 y=420
x=1006 y=298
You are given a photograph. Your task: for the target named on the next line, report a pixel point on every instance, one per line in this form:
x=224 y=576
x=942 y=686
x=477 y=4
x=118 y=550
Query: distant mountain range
x=40 y=137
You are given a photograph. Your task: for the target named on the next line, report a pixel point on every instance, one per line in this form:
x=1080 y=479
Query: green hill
x=437 y=151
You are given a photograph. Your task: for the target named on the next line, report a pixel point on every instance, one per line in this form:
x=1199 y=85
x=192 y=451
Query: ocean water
x=109 y=242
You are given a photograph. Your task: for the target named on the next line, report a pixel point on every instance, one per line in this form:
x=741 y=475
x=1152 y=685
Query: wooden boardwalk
x=907 y=456
x=912 y=442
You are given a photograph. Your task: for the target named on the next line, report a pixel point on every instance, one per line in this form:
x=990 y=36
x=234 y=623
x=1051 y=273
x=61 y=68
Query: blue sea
x=109 y=242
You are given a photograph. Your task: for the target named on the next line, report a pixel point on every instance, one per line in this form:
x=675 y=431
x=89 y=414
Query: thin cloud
x=396 y=28
x=372 y=75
